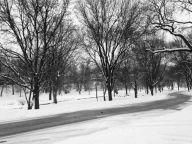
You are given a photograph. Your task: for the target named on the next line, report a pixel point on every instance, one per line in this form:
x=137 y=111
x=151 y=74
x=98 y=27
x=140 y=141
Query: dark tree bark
x=55 y=95
x=178 y=85
x=13 y=90
x=96 y=92
x=28 y=99
x=152 y=90
x=147 y=90
x=50 y=91
x=172 y=85
x=36 y=93
x=109 y=88
x=2 y=88
x=126 y=89
x=20 y=91
x=104 y=92
x=135 y=88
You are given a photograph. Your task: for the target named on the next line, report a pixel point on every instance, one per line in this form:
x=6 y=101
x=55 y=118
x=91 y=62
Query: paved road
x=79 y=116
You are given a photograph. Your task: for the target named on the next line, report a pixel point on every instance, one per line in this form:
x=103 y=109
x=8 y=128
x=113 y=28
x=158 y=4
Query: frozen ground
x=151 y=127
x=12 y=110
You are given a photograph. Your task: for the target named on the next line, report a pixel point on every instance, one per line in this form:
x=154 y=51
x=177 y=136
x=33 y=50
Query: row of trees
x=40 y=44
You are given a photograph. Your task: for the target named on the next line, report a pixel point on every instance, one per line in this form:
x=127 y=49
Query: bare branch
x=169 y=50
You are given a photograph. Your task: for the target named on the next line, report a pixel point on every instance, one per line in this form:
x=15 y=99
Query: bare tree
x=30 y=26
x=164 y=15
x=183 y=68
x=60 y=57
x=110 y=27
x=123 y=74
x=153 y=65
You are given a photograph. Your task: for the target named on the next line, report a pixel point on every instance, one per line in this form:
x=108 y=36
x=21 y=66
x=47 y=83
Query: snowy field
x=171 y=128
x=150 y=127
x=12 y=110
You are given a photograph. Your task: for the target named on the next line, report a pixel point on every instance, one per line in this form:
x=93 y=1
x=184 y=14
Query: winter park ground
x=79 y=119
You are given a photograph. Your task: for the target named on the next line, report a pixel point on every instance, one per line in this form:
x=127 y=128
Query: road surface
x=9 y=129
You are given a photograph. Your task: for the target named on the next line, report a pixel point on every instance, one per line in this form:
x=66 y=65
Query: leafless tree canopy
x=166 y=15
x=111 y=26
x=116 y=38
x=32 y=26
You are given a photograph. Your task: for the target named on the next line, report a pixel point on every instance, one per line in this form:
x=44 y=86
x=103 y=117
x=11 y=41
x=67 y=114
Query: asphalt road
x=9 y=129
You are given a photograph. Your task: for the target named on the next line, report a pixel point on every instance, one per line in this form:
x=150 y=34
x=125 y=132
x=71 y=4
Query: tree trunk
x=6 y=88
x=135 y=88
x=172 y=86
x=96 y=92
x=104 y=92
x=151 y=89
x=55 y=97
x=13 y=90
x=29 y=104
x=50 y=92
x=110 y=94
x=114 y=93
x=36 y=94
x=2 y=90
x=20 y=91
x=36 y=99
x=109 y=88
x=126 y=89
x=187 y=82
x=147 y=90
x=188 y=88
x=79 y=88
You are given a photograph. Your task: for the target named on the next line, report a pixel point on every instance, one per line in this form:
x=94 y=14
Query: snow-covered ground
x=12 y=110
x=156 y=126
x=174 y=128
x=150 y=127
